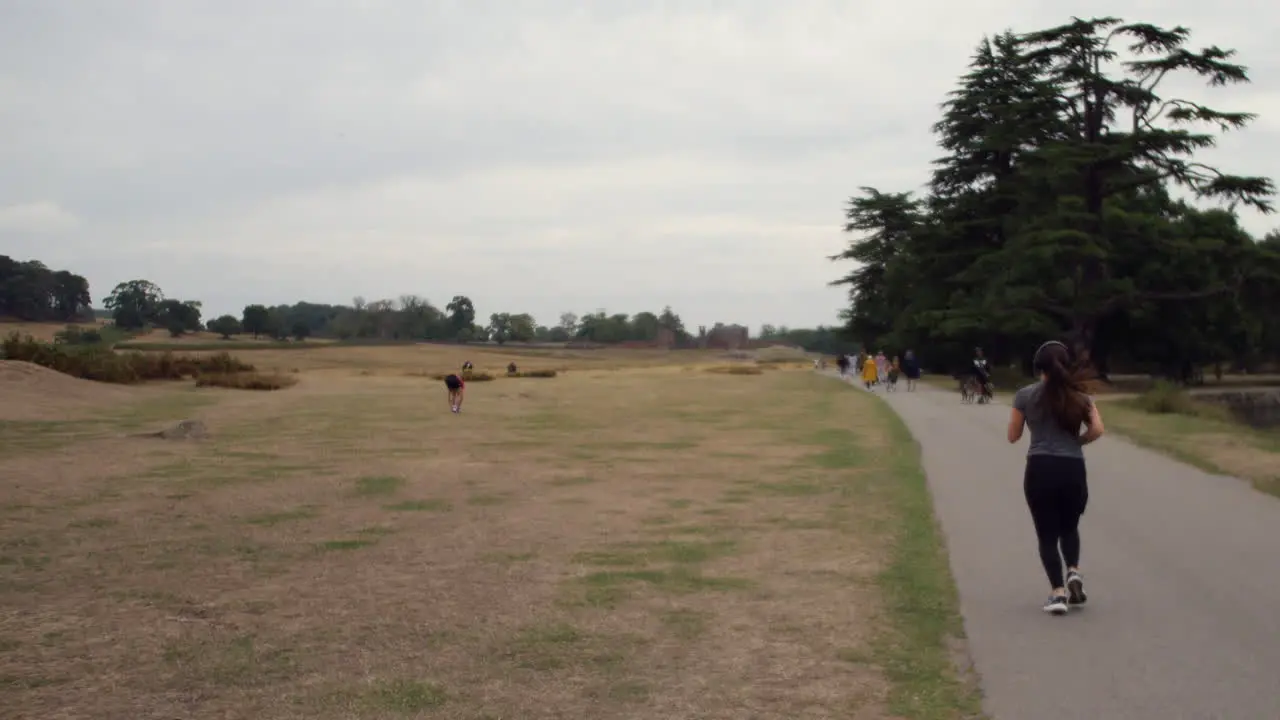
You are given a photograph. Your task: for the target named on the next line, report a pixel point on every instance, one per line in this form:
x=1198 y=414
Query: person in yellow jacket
x=870 y=373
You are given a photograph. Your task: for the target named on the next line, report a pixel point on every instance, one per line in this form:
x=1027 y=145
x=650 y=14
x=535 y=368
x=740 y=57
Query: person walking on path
x=882 y=365
x=911 y=368
x=869 y=372
x=1054 y=482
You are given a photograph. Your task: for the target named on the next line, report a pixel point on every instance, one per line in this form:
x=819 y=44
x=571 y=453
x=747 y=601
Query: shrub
x=246 y=380
x=76 y=335
x=81 y=335
x=469 y=377
x=102 y=364
x=535 y=374
x=1166 y=398
x=736 y=369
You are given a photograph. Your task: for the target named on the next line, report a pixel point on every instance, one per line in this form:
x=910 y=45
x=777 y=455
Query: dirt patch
x=31 y=392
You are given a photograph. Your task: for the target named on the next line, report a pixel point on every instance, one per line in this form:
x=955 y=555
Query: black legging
x=1057 y=492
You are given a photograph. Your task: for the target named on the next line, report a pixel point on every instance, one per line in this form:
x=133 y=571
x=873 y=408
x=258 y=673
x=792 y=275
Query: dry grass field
x=1209 y=439
x=636 y=538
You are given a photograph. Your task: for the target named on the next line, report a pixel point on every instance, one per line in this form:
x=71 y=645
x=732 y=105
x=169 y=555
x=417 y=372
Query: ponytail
x=1064 y=388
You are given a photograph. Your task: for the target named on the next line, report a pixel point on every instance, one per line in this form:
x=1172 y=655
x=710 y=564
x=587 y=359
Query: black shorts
x=453 y=382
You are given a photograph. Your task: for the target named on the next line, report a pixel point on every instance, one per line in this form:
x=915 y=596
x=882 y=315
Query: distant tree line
x=1052 y=214
x=31 y=291
x=411 y=317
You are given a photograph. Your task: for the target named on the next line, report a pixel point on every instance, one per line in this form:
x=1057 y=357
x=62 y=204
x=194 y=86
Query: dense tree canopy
x=1057 y=211
x=29 y=290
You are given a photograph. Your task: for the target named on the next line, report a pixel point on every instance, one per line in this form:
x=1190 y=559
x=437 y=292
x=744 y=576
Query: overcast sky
x=537 y=156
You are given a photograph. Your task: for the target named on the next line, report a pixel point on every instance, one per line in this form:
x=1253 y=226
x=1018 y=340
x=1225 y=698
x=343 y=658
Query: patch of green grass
x=9 y=645
x=97 y=522
x=623 y=445
x=169 y=407
x=628 y=691
x=790 y=523
x=685 y=624
x=919 y=594
x=670 y=551
x=544 y=647
x=241 y=661
x=556 y=633
x=679 y=503
x=611 y=558
x=405 y=697
x=841 y=447
x=419 y=506
x=336 y=545
x=836 y=458
x=678 y=580
x=510 y=557
x=26 y=562
x=376 y=531
x=484 y=500
x=378 y=485
x=28 y=682
x=658 y=520
x=275 y=518
x=792 y=488
x=571 y=481
x=17 y=436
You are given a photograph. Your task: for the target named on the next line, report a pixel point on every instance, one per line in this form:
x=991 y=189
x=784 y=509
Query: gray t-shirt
x=1047 y=437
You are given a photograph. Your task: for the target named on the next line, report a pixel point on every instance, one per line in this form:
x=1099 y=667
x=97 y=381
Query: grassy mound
x=247 y=380
x=100 y=363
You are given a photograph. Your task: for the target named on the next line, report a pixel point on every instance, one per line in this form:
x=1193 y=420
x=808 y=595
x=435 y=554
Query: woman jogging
x=1056 y=409
x=457 y=388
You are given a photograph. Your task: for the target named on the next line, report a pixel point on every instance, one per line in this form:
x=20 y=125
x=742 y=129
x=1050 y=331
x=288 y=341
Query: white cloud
x=538 y=155
x=36 y=218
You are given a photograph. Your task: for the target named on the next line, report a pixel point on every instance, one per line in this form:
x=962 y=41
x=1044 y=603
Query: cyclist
x=982 y=371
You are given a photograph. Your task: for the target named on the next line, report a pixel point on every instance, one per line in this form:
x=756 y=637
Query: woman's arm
x=1016 y=422
x=1093 y=426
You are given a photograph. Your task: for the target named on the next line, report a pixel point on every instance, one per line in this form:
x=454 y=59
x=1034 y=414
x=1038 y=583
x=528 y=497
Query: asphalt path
x=1182 y=569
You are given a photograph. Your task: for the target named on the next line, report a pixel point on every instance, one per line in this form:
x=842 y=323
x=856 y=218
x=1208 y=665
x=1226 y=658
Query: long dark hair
x=1064 y=388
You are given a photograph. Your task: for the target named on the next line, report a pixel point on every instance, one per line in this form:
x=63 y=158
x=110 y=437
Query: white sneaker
x=1056 y=605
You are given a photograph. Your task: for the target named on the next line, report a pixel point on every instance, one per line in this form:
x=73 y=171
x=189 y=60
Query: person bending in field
x=457 y=388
